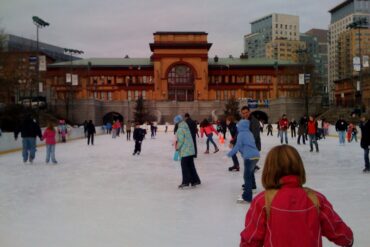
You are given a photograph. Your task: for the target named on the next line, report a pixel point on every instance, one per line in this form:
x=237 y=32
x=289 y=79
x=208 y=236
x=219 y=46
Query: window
x=109 y=95
x=129 y=95
x=136 y=94
x=143 y=93
x=102 y=95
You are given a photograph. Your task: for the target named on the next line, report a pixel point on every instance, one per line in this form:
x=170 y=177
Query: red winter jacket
x=283 y=124
x=208 y=130
x=294 y=220
x=311 y=127
x=49 y=136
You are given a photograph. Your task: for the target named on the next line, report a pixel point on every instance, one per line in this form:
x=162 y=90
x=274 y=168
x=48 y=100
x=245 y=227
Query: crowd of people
x=283 y=174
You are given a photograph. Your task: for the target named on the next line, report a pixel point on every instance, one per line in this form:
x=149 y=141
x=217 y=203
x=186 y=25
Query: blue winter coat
x=245 y=143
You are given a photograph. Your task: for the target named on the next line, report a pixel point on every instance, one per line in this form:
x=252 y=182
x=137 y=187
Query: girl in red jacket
x=312 y=133
x=49 y=137
x=207 y=128
x=287 y=214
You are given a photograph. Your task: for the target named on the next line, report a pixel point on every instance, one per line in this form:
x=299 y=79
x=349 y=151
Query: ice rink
x=102 y=196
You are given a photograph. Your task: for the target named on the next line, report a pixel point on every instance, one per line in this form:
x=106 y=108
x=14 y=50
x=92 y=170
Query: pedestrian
x=138 y=136
x=320 y=129
x=293 y=126
x=114 y=129
x=207 y=128
x=326 y=128
x=269 y=129
x=231 y=125
x=109 y=127
x=341 y=127
x=29 y=130
x=193 y=131
x=302 y=129
x=155 y=125
x=246 y=145
x=288 y=214
x=90 y=132
x=254 y=125
x=128 y=131
x=312 y=133
x=349 y=132
x=152 y=135
x=365 y=141
x=166 y=127
x=62 y=130
x=118 y=127
x=185 y=147
x=49 y=137
x=283 y=126
x=354 y=133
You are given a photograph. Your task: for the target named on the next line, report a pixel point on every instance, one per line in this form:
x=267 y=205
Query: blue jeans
x=313 y=140
x=29 y=148
x=366 y=157
x=342 y=135
x=282 y=134
x=210 y=139
x=50 y=151
x=249 y=179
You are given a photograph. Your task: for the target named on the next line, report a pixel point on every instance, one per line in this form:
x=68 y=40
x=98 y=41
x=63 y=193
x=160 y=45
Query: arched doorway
x=261 y=116
x=112 y=116
x=181 y=83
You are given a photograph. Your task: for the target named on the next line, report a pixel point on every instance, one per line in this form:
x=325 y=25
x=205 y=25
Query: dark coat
x=255 y=129
x=29 y=128
x=341 y=125
x=139 y=134
x=233 y=132
x=193 y=131
x=365 y=134
x=90 y=128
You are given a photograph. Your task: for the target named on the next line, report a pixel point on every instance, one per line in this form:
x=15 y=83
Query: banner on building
x=301 y=79
x=356 y=63
x=365 y=60
x=74 y=80
x=254 y=103
x=68 y=78
x=42 y=63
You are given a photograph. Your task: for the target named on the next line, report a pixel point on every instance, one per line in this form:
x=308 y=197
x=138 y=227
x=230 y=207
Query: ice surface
x=102 y=196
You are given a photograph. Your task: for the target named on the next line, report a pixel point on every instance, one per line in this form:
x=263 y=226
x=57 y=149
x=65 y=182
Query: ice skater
x=49 y=137
x=207 y=129
x=138 y=136
x=231 y=125
x=90 y=132
x=312 y=133
x=288 y=212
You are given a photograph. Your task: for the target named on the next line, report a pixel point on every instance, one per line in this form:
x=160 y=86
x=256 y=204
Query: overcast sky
x=114 y=28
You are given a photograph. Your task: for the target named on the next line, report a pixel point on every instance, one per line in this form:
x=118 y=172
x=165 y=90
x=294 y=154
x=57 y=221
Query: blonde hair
x=282 y=161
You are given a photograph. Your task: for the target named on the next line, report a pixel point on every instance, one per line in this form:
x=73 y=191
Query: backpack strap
x=269 y=196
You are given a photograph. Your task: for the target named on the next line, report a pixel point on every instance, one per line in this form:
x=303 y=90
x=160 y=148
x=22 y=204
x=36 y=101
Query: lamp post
x=358 y=24
x=300 y=53
x=69 y=95
x=39 y=23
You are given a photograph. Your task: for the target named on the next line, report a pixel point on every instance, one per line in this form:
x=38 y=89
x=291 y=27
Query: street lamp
x=39 y=23
x=300 y=53
x=69 y=95
x=359 y=23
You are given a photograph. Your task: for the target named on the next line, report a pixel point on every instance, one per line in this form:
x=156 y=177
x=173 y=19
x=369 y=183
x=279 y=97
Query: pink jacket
x=207 y=130
x=293 y=221
x=49 y=136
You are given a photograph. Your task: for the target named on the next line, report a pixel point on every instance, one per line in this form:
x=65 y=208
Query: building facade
x=179 y=77
x=342 y=16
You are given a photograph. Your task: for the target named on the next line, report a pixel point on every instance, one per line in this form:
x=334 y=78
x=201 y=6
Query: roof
x=179 y=33
x=146 y=62
x=341 y=5
x=107 y=62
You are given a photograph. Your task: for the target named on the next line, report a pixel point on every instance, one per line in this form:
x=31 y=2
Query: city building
x=274 y=36
x=342 y=16
x=179 y=77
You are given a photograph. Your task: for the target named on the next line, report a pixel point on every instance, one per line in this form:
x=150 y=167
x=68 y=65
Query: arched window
x=181 y=83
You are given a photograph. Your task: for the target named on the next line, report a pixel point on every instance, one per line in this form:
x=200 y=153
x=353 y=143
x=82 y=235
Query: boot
x=234 y=168
x=216 y=150
x=206 y=152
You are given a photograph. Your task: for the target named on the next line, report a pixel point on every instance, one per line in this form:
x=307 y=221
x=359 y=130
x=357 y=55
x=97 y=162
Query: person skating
x=128 y=131
x=269 y=129
x=49 y=137
x=29 y=130
x=293 y=126
x=354 y=133
x=231 y=125
x=302 y=130
x=207 y=129
x=284 y=124
x=341 y=127
x=90 y=132
x=138 y=137
x=365 y=141
x=62 y=130
x=286 y=213
x=312 y=133
x=185 y=147
x=246 y=145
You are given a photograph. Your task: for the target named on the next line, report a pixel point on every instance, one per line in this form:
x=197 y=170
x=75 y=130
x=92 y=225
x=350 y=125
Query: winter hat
x=177 y=119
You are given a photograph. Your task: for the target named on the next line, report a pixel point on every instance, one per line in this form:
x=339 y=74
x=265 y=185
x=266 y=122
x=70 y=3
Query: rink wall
x=8 y=144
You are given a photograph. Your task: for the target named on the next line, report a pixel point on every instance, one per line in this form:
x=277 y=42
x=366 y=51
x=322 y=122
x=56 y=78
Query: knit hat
x=177 y=119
